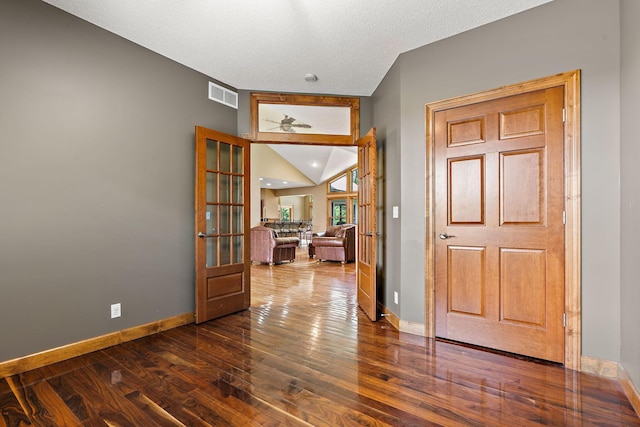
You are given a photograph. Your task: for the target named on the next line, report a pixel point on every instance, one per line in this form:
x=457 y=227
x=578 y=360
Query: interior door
x=223 y=260
x=367 y=234
x=499 y=206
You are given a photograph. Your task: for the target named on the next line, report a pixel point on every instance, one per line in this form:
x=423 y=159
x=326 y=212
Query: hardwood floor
x=304 y=354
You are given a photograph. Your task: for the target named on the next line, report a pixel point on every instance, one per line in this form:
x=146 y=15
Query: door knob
x=445 y=236
x=201 y=234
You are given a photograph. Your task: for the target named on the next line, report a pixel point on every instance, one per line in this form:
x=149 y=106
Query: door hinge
x=564 y=217
x=564 y=320
x=564 y=115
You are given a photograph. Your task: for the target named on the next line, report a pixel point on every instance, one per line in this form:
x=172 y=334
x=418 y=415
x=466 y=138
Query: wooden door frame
x=570 y=81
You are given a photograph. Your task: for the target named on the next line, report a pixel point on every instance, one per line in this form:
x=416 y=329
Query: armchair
x=338 y=243
x=266 y=247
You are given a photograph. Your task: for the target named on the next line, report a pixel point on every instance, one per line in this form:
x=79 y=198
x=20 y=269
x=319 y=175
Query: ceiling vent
x=223 y=95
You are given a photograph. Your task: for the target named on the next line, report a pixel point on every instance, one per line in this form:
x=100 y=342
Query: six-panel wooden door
x=499 y=207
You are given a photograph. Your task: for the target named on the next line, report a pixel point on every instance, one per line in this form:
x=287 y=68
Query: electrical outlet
x=116 y=310
x=395 y=297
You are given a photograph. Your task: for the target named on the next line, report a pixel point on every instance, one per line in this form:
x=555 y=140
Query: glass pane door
x=222 y=258
x=225 y=203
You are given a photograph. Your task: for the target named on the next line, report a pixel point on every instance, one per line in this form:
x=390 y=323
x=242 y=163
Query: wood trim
x=571 y=83
x=390 y=316
x=601 y=367
x=630 y=389
x=413 y=328
x=573 y=253
x=47 y=357
x=610 y=369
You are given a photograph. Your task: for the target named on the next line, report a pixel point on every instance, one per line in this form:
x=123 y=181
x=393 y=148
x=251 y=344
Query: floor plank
x=305 y=354
x=11 y=412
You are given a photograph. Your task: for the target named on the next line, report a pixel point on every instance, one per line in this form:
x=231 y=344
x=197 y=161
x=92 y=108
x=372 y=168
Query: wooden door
x=223 y=260
x=367 y=234
x=499 y=223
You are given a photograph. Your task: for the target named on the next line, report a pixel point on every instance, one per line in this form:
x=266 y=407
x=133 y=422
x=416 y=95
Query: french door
x=367 y=229
x=223 y=282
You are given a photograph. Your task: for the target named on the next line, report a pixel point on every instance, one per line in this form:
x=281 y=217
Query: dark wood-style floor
x=304 y=354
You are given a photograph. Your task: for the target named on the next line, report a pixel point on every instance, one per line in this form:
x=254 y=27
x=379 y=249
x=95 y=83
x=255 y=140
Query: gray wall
x=560 y=36
x=388 y=119
x=96 y=179
x=96 y=167
x=630 y=192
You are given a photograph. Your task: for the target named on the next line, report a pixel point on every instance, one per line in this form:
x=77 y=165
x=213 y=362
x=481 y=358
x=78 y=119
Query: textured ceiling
x=270 y=45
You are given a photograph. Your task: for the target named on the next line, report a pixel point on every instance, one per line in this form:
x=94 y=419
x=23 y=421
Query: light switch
x=395 y=212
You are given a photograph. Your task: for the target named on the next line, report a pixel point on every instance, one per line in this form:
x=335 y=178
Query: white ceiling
x=269 y=45
x=318 y=163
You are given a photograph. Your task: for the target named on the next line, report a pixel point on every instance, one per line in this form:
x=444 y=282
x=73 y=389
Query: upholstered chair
x=267 y=248
x=338 y=243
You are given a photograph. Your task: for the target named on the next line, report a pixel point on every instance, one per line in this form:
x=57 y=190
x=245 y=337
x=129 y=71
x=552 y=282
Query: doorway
x=462 y=298
x=327 y=120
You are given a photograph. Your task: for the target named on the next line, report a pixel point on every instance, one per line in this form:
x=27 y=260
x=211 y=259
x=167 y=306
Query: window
x=338 y=185
x=286 y=213
x=342 y=198
x=354 y=180
x=327 y=120
x=338 y=211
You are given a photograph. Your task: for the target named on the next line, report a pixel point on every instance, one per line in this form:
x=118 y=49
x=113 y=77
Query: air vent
x=223 y=95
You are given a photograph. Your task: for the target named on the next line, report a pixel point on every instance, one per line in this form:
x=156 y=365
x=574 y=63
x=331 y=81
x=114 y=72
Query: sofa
x=267 y=247
x=338 y=243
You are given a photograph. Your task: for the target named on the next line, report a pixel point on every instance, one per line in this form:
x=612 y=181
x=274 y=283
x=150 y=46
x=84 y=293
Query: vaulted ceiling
x=318 y=163
x=270 y=45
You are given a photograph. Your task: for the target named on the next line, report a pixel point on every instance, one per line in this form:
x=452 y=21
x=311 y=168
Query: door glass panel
x=365 y=158
x=237 y=160
x=212 y=154
x=212 y=251
x=354 y=180
x=225 y=157
x=364 y=225
x=212 y=219
x=237 y=189
x=225 y=188
x=225 y=219
x=237 y=219
x=354 y=215
x=212 y=187
x=237 y=249
x=225 y=250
